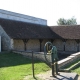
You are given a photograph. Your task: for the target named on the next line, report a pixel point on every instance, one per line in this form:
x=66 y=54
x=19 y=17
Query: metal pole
x=52 y=64
x=33 y=65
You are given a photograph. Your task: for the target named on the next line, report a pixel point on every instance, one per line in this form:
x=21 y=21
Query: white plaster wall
x=0 y=43
x=21 y=17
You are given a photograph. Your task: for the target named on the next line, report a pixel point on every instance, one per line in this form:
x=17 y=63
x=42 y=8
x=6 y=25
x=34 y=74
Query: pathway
x=48 y=76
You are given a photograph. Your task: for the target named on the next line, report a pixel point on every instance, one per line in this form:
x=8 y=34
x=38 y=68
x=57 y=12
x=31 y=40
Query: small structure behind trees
x=63 y=21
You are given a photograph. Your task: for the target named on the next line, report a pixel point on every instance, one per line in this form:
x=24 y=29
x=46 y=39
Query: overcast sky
x=51 y=10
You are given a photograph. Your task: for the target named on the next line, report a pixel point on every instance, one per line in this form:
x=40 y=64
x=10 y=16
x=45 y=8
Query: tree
x=63 y=21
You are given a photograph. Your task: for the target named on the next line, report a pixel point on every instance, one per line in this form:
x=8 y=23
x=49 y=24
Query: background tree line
x=63 y=21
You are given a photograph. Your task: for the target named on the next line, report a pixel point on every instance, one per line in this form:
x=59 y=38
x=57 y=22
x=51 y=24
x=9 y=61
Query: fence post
x=33 y=65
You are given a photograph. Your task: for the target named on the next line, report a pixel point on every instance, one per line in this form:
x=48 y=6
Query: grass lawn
x=77 y=70
x=15 y=67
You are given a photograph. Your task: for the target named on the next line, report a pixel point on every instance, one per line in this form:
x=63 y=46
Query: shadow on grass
x=34 y=78
x=13 y=59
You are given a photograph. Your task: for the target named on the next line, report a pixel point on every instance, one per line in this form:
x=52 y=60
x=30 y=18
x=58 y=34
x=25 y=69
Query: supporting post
x=33 y=65
x=25 y=42
x=40 y=40
x=77 y=45
x=64 y=42
x=52 y=41
x=64 y=46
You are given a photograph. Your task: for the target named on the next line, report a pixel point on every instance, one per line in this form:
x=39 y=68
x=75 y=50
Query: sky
x=51 y=10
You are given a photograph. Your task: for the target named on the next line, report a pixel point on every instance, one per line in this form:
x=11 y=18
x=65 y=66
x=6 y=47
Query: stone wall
x=32 y=44
x=21 y=17
x=18 y=45
x=5 y=40
x=61 y=64
x=12 y=44
x=36 y=55
x=70 y=45
x=59 y=44
x=43 y=43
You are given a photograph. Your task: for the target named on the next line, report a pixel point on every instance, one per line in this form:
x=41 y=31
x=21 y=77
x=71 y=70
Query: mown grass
x=15 y=67
x=77 y=70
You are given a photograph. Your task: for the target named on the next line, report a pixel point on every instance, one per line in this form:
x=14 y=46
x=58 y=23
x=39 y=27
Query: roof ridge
x=23 y=22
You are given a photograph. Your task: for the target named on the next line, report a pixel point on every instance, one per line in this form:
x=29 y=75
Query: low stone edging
x=61 y=64
x=70 y=59
x=36 y=55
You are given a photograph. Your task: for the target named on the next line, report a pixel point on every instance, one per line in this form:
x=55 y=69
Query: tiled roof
x=67 y=32
x=23 y=30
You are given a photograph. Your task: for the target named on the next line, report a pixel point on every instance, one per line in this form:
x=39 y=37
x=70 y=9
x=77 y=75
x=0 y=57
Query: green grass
x=77 y=70
x=33 y=78
x=15 y=67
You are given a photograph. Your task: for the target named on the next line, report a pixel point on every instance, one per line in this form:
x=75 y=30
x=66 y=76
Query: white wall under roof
x=21 y=17
x=0 y=43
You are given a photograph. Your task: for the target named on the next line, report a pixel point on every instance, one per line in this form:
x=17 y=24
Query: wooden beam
x=40 y=40
x=52 y=40
x=77 y=44
x=25 y=42
x=64 y=42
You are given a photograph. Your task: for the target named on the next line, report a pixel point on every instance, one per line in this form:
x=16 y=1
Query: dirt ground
x=47 y=76
x=79 y=78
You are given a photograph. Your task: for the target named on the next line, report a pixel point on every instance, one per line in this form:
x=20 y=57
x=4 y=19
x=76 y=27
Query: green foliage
x=63 y=21
x=15 y=67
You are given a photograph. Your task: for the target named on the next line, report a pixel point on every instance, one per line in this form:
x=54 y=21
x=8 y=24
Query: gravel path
x=47 y=76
